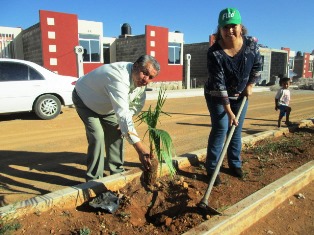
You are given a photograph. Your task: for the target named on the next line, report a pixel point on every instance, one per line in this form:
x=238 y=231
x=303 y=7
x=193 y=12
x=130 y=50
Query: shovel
x=204 y=202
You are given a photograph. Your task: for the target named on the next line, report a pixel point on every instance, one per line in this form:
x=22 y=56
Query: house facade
x=300 y=64
x=53 y=43
x=11 y=43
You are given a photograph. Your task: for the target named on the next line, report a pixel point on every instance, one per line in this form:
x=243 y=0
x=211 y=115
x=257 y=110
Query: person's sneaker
x=237 y=171
x=217 y=180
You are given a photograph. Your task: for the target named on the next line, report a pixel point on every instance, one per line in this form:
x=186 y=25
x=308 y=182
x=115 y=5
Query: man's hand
x=145 y=159
x=143 y=155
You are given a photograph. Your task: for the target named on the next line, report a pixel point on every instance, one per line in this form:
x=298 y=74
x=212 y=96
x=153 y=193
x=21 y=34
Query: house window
x=91 y=45
x=6 y=46
x=263 y=59
x=311 y=66
x=106 y=52
x=174 y=53
x=291 y=63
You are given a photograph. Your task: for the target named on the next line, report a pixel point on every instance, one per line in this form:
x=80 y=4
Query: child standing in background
x=282 y=100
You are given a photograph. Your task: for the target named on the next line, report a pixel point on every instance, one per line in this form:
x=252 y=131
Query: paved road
x=37 y=156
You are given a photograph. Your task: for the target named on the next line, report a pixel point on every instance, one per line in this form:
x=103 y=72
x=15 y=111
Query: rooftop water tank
x=126 y=29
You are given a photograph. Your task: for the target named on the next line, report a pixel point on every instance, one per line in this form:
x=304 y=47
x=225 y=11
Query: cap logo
x=228 y=15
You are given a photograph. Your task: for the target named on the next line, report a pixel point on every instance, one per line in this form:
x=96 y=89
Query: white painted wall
x=94 y=28
x=17 y=42
x=177 y=38
x=113 y=47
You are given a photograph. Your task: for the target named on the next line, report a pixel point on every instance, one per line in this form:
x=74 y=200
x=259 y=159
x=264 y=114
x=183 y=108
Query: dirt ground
x=171 y=206
x=37 y=157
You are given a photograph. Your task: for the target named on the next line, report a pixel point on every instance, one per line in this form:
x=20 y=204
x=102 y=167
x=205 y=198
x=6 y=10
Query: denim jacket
x=228 y=76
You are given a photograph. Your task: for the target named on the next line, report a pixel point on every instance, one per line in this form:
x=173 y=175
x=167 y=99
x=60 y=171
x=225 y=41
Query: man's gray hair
x=144 y=59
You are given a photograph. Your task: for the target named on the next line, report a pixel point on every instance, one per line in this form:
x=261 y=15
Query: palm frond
x=160 y=141
x=150 y=117
x=163 y=147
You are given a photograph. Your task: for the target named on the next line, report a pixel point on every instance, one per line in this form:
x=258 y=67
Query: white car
x=27 y=86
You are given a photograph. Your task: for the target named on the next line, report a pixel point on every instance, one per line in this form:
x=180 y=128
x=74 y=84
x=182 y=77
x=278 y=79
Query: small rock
x=185 y=185
x=168 y=221
x=208 y=217
x=177 y=223
x=177 y=182
x=300 y=196
x=270 y=232
x=162 y=219
x=181 y=179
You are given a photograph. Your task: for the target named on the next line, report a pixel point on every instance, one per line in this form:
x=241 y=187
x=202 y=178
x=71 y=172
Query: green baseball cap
x=229 y=16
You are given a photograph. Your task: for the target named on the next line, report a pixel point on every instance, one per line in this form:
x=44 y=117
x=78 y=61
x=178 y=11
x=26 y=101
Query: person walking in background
x=234 y=64
x=282 y=100
x=105 y=100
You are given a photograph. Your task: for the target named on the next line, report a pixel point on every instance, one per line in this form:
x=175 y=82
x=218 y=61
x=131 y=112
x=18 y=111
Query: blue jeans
x=219 y=132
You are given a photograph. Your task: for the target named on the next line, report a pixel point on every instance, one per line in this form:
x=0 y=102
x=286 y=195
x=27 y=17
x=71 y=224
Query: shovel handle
x=223 y=153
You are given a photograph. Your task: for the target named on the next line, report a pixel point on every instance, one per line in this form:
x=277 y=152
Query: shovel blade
x=207 y=209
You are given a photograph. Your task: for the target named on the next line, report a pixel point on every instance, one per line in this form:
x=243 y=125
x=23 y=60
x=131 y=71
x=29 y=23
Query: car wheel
x=47 y=107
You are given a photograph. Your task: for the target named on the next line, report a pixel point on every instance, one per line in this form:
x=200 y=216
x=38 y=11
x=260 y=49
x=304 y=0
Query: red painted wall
x=167 y=72
x=88 y=67
x=286 y=49
x=66 y=38
x=306 y=63
x=212 y=39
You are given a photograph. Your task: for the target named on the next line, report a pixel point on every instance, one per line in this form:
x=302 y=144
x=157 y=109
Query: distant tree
x=299 y=53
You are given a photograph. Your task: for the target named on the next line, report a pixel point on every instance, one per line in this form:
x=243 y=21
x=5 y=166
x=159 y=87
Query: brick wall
x=198 y=70
x=278 y=63
x=130 y=48
x=32 y=44
x=298 y=66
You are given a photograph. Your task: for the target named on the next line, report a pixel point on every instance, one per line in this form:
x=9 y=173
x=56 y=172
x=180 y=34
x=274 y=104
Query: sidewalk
x=153 y=95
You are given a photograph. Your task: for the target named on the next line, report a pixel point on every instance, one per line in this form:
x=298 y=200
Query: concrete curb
x=76 y=195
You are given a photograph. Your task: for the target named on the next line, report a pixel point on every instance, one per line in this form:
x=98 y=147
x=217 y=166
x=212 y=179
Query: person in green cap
x=234 y=64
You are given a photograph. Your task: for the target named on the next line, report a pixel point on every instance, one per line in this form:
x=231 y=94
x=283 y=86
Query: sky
x=275 y=23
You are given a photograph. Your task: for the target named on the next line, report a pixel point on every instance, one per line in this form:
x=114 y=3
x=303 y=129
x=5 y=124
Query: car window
x=34 y=75
x=11 y=71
